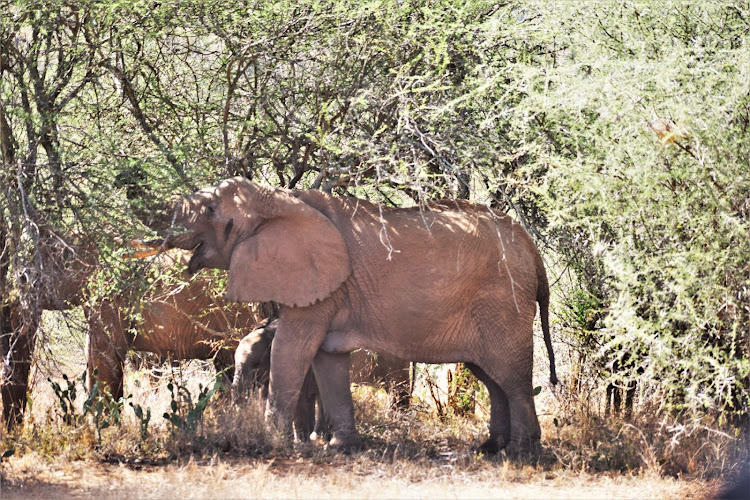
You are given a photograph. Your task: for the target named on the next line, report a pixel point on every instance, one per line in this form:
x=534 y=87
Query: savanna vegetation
x=615 y=132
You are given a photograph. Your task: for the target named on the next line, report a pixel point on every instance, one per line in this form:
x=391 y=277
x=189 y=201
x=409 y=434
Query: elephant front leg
x=332 y=375
x=292 y=351
x=106 y=349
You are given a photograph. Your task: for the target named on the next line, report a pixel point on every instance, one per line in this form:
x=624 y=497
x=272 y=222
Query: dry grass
x=413 y=454
x=360 y=476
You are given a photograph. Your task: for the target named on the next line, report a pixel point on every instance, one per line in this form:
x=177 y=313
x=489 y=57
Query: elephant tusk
x=142 y=254
x=148 y=248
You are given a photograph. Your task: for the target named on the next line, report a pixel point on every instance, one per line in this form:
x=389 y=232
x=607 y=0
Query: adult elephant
x=446 y=282
x=67 y=261
x=252 y=368
x=175 y=319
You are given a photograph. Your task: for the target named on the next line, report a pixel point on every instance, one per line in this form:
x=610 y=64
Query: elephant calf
x=253 y=365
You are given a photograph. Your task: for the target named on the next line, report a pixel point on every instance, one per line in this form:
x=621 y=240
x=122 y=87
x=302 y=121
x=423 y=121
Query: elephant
x=181 y=322
x=67 y=261
x=448 y=281
x=252 y=362
x=177 y=321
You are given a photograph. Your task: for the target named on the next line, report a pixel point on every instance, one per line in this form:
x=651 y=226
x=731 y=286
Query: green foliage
x=463 y=388
x=103 y=408
x=186 y=414
x=66 y=397
x=651 y=177
x=143 y=419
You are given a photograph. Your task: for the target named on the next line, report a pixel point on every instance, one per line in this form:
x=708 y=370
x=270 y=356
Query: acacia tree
x=45 y=63
x=617 y=138
x=645 y=115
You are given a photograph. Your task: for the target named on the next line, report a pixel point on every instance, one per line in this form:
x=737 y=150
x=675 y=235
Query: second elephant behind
x=174 y=319
x=253 y=366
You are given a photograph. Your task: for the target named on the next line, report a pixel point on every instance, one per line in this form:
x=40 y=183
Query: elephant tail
x=542 y=297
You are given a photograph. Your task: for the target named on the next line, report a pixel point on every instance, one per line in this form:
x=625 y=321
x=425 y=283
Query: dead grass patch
x=358 y=476
x=413 y=454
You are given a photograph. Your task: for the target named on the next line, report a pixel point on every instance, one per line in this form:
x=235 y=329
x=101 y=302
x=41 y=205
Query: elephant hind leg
x=506 y=357
x=525 y=432
x=332 y=374
x=500 y=425
x=225 y=367
x=322 y=430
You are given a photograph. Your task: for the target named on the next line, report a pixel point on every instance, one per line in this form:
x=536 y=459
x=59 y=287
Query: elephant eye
x=210 y=210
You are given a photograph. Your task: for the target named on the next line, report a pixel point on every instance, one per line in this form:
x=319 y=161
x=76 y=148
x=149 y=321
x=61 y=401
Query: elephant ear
x=296 y=257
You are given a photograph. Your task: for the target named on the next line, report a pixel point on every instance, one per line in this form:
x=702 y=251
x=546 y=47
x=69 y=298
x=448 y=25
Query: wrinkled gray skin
x=252 y=362
x=443 y=283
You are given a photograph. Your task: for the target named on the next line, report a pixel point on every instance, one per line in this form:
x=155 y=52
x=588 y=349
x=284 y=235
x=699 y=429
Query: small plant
x=185 y=414
x=103 y=408
x=143 y=419
x=66 y=397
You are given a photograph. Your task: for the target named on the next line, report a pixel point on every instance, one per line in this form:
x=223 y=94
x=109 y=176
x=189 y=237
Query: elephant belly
x=440 y=334
x=339 y=342
x=433 y=340
x=179 y=344
x=421 y=325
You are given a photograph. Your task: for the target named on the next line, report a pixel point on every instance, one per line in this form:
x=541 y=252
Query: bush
x=645 y=114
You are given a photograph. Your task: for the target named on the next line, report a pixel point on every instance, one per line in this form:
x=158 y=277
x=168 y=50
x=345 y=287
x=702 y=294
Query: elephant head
x=260 y=234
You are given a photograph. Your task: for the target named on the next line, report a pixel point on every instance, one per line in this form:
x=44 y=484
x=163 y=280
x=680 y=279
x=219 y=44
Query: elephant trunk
x=167 y=220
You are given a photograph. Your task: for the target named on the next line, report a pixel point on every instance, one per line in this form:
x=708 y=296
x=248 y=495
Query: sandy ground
x=349 y=477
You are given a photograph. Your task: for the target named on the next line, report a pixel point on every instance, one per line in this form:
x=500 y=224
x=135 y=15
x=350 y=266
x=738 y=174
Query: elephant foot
x=346 y=441
x=524 y=450
x=489 y=447
x=321 y=436
x=303 y=437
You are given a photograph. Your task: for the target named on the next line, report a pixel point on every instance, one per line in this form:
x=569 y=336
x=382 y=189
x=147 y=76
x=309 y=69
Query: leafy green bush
x=648 y=171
